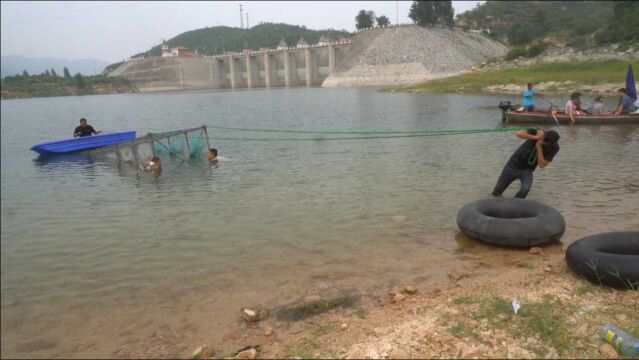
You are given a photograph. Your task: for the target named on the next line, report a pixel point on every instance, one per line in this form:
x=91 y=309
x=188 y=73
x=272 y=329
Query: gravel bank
x=412 y=54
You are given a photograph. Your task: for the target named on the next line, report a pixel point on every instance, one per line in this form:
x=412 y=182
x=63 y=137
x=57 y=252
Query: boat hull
x=83 y=143
x=539 y=117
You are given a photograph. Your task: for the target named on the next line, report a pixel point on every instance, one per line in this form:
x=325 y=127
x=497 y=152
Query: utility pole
x=397 y=13
x=241 y=18
x=247 y=23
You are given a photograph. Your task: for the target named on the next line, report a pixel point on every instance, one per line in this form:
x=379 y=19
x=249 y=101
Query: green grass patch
x=492 y=308
x=360 y=313
x=586 y=289
x=305 y=349
x=547 y=319
x=526 y=265
x=464 y=300
x=322 y=329
x=583 y=73
x=462 y=330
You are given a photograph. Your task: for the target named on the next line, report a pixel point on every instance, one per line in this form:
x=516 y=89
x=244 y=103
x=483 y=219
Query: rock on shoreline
x=412 y=54
x=553 y=86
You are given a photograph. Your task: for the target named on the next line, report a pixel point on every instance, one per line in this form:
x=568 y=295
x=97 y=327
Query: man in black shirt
x=539 y=149
x=84 y=129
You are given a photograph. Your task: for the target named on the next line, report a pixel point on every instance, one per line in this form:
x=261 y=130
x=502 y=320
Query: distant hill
x=218 y=39
x=15 y=64
x=578 y=24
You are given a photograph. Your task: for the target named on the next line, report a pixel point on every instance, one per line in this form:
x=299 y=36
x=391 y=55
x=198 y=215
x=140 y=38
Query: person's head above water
x=155 y=159
x=575 y=96
x=530 y=85
x=551 y=137
x=598 y=99
x=83 y=122
x=212 y=156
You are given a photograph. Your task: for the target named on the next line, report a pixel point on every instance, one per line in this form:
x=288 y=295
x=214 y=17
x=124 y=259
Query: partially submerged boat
x=546 y=118
x=83 y=143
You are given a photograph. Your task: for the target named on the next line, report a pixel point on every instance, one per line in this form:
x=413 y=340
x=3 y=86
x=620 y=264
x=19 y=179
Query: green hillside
x=218 y=39
x=580 y=24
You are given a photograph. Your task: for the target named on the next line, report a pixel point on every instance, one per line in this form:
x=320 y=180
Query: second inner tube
x=610 y=259
x=511 y=222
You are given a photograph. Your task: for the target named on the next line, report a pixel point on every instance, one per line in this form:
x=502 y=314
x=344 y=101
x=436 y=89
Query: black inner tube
x=508 y=213
x=619 y=249
x=511 y=222
x=609 y=259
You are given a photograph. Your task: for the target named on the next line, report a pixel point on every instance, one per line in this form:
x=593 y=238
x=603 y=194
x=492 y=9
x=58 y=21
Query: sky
x=114 y=30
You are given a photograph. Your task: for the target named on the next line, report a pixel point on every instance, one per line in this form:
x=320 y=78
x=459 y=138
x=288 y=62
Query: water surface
x=96 y=262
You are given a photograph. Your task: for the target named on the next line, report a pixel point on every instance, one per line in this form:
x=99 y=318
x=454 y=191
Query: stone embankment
x=555 y=86
x=411 y=54
x=565 y=54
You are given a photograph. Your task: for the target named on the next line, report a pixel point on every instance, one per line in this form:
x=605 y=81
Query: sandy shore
x=470 y=316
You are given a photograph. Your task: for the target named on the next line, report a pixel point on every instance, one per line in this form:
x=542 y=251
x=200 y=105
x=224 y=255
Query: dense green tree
x=623 y=25
x=432 y=12
x=79 y=81
x=47 y=73
x=67 y=74
x=25 y=73
x=383 y=21
x=53 y=73
x=223 y=38
x=522 y=23
x=364 y=19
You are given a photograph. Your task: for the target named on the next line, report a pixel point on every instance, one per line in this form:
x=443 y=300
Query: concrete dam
x=308 y=66
x=396 y=55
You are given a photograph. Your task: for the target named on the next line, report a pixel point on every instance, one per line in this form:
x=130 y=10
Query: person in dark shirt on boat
x=626 y=104
x=84 y=129
x=539 y=149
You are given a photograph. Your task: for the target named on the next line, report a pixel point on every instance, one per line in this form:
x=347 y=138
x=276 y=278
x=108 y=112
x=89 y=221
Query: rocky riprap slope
x=406 y=55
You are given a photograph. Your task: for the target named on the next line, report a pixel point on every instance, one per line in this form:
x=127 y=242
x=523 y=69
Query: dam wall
x=305 y=66
x=389 y=56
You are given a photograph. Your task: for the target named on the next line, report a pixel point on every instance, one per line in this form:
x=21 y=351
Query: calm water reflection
x=99 y=263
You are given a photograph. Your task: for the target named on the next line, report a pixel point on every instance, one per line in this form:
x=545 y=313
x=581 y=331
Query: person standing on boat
x=529 y=97
x=85 y=129
x=539 y=149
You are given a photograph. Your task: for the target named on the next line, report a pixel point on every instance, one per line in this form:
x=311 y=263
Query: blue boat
x=83 y=143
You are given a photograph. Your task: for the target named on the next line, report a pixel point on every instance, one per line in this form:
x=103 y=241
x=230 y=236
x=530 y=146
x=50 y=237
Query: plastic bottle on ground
x=623 y=342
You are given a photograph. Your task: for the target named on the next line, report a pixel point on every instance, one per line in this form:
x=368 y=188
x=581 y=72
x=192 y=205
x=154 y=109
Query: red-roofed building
x=178 y=51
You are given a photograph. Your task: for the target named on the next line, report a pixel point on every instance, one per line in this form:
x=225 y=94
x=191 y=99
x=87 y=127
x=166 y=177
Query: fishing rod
x=553 y=112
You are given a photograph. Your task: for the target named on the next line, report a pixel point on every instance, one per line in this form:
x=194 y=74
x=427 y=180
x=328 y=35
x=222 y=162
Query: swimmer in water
x=154 y=165
x=212 y=155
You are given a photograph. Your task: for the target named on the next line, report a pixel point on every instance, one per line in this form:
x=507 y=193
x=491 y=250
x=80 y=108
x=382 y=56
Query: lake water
x=97 y=263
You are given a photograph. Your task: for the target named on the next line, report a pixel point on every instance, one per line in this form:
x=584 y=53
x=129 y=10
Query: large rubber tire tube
x=511 y=222
x=610 y=259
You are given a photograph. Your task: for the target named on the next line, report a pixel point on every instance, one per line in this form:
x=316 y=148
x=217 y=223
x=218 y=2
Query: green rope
x=412 y=135
x=532 y=157
x=345 y=132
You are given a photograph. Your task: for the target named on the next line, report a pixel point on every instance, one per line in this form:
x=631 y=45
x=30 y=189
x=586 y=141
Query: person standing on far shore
x=529 y=97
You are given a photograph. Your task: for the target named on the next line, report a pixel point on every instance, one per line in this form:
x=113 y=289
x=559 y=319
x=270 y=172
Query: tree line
x=422 y=12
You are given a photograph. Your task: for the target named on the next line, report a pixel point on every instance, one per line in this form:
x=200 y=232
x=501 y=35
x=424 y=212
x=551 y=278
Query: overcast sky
x=115 y=30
